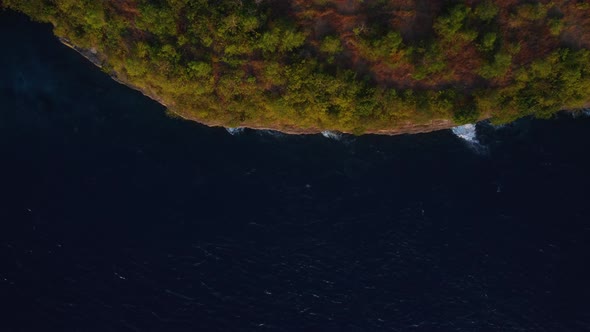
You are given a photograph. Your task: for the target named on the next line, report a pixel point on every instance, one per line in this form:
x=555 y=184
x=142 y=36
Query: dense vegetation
x=352 y=65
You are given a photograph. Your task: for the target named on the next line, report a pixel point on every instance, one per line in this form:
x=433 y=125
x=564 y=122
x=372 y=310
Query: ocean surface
x=116 y=217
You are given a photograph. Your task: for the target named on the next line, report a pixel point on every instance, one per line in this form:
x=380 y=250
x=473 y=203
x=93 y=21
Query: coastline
x=407 y=128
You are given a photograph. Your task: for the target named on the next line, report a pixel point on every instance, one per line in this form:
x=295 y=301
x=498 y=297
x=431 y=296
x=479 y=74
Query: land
x=304 y=66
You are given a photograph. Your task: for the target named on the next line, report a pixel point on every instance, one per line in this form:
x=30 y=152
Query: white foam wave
x=332 y=135
x=467 y=133
x=235 y=131
x=581 y=113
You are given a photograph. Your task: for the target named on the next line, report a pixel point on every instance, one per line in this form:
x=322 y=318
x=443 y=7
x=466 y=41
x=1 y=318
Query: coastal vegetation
x=354 y=66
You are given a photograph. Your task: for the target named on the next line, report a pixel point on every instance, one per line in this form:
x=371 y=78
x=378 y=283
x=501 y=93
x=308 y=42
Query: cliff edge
x=305 y=66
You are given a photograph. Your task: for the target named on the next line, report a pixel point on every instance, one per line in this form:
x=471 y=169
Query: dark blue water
x=115 y=217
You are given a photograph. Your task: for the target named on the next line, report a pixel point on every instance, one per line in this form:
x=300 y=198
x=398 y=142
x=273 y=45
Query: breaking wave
x=332 y=135
x=467 y=133
x=235 y=131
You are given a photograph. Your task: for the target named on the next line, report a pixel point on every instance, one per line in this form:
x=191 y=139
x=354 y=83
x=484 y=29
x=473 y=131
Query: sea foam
x=332 y=135
x=235 y=131
x=467 y=133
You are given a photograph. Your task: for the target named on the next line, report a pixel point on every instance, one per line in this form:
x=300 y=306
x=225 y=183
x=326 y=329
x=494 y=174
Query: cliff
x=303 y=66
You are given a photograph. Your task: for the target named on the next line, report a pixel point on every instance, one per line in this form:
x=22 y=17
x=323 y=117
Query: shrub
x=331 y=45
x=199 y=69
x=555 y=26
x=498 y=67
x=531 y=12
x=488 y=42
x=486 y=11
x=448 y=25
x=467 y=113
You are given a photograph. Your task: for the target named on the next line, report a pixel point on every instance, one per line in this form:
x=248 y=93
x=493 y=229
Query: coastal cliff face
x=404 y=128
x=304 y=66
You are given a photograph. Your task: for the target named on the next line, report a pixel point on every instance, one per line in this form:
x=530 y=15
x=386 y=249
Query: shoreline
x=409 y=128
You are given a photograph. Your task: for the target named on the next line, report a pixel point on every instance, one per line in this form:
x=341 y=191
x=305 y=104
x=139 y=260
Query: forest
x=349 y=65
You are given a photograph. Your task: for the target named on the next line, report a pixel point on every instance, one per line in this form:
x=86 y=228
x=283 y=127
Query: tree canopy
x=325 y=65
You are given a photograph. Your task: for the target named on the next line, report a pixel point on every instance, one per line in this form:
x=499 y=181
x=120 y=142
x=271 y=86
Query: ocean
x=117 y=217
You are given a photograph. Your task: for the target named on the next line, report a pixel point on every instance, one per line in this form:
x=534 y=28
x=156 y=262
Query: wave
x=467 y=133
x=332 y=135
x=235 y=131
